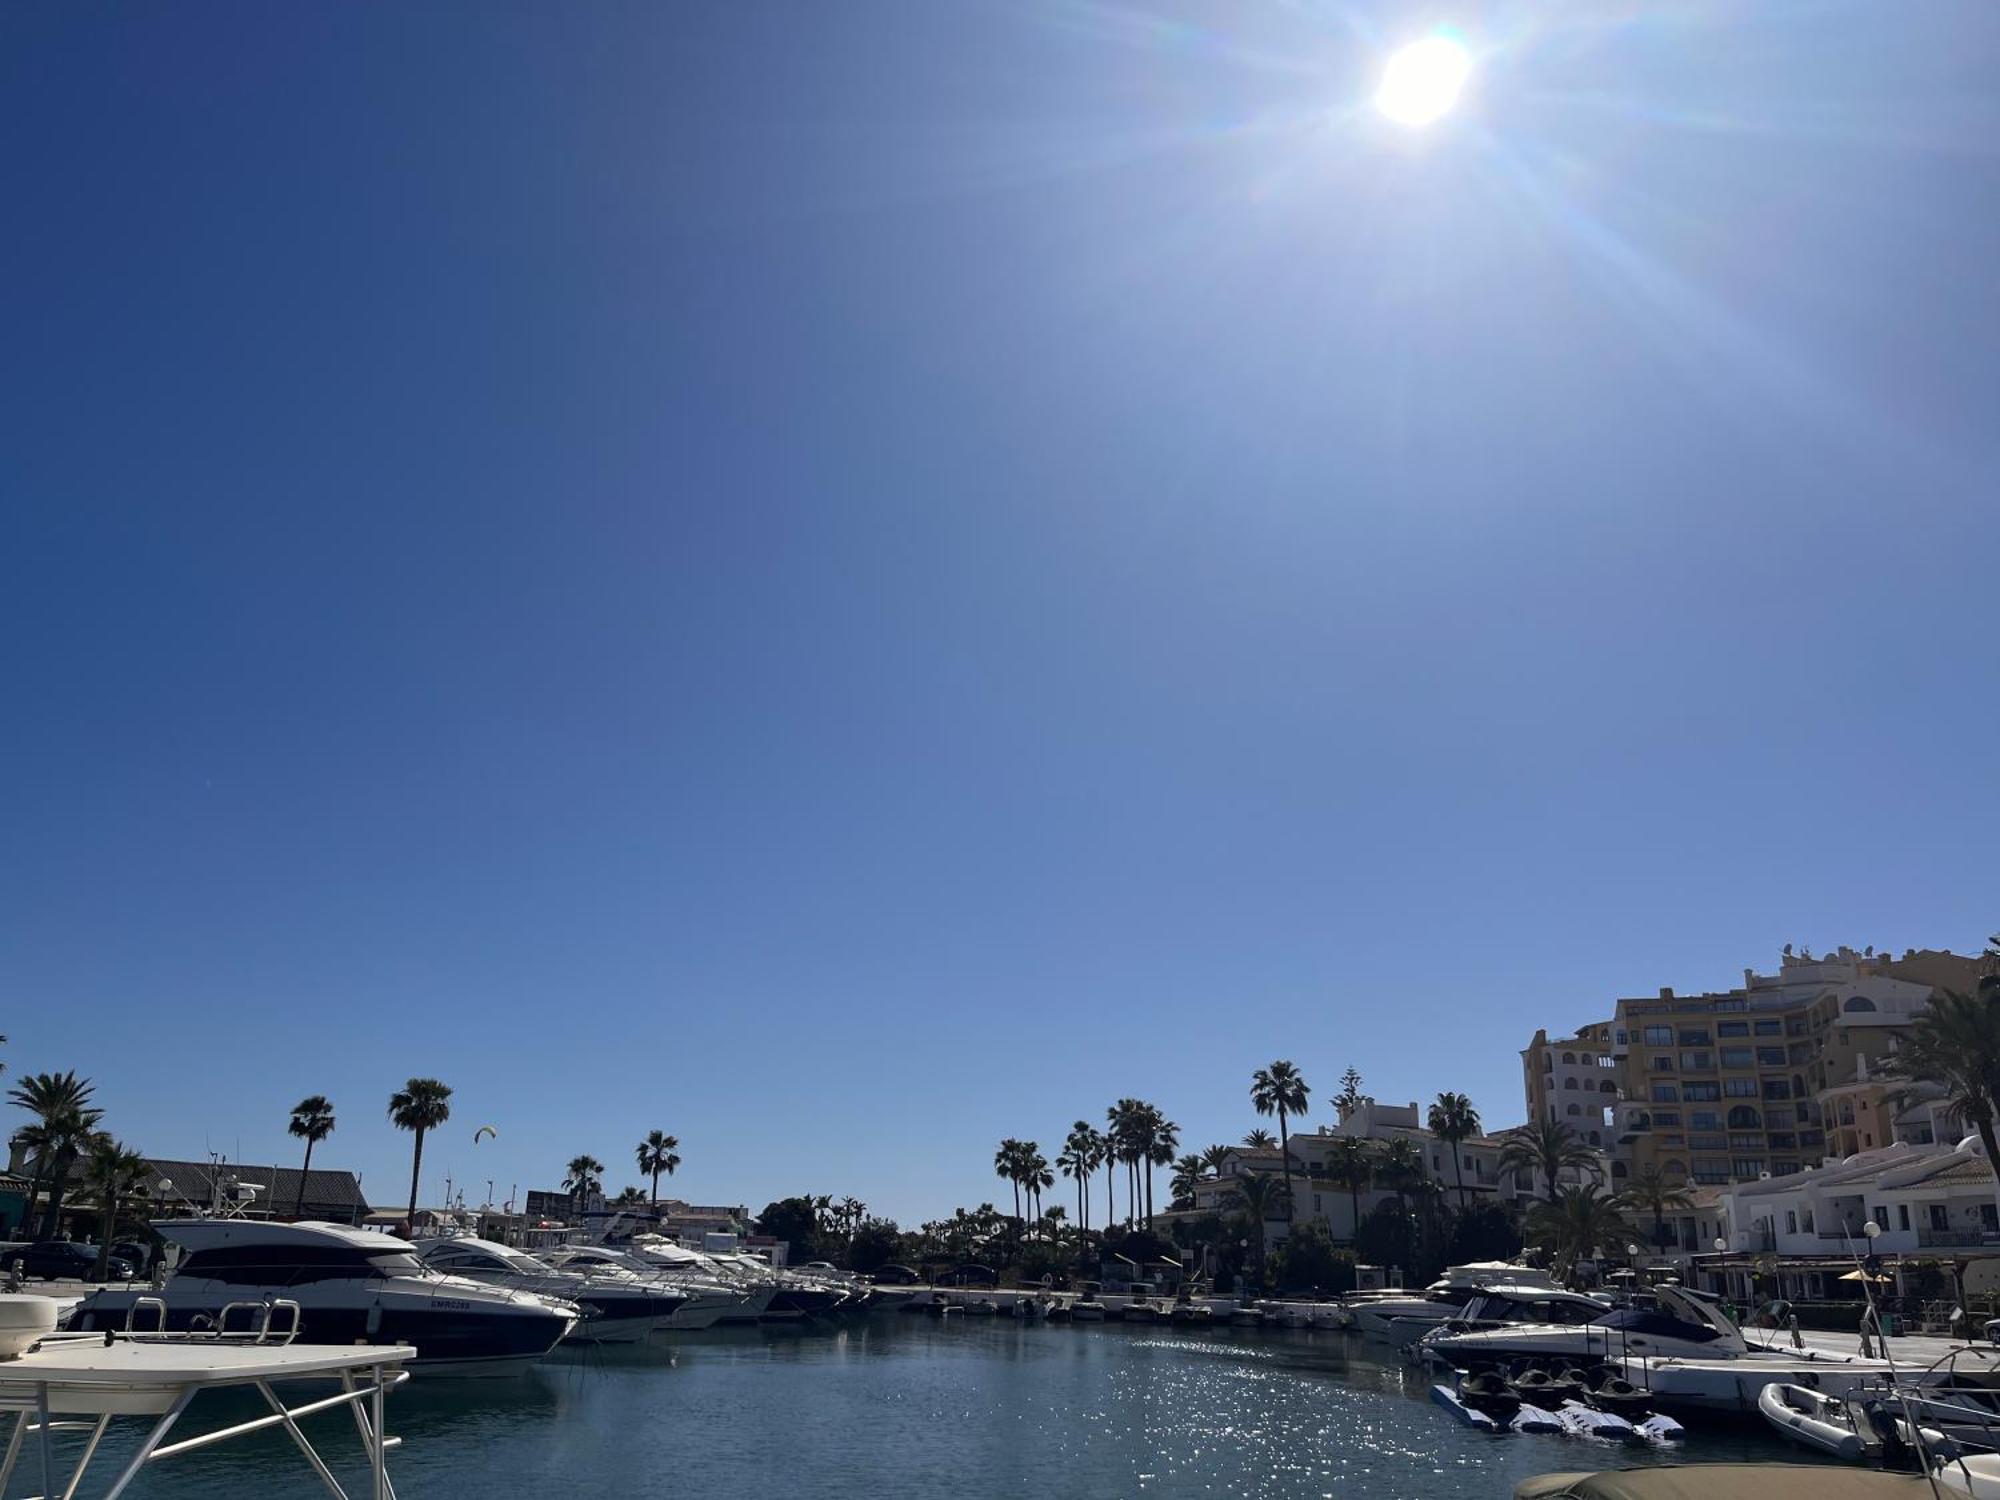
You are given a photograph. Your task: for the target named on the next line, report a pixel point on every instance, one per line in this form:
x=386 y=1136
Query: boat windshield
x=291 y=1265
x=1651 y=1320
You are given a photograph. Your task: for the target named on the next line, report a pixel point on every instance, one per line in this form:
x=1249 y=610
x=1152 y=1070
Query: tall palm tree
x=1547 y=1148
x=1122 y=1119
x=1453 y=1120
x=116 y=1174
x=657 y=1153
x=1160 y=1138
x=1259 y=1139
x=1574 y=1223
x=64 y=1122
x=419 y=1106
x=1007 y=1166
x=1035 y=1174
x=1649 y=1192
x=1188 y=1171
x=1955 y=1043
x=1215 y=1158
x=585 y=1176
x=1351 y=1164
x=1263 y=1197
x=312 y=1122
x=1400 y=1168
x=1100 y=1156
x=1077 y=1159
x=1281 y=1090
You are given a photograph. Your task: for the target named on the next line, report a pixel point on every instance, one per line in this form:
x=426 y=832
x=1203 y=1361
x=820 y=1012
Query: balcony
x=1939 y=1239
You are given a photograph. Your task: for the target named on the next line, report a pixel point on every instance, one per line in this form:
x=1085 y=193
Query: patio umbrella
x=1862 y=1276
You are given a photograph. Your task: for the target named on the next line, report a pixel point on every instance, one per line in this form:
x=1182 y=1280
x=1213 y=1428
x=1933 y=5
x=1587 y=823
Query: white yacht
x=619 y=1307
x=711 y=1299
x=349 y=1286
x=1403 y=1318
x=1533 y=1323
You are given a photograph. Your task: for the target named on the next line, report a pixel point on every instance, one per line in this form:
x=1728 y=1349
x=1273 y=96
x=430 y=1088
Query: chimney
x=1666 y=992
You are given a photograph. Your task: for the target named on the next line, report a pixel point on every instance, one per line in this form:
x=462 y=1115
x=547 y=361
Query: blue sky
x=851 y=580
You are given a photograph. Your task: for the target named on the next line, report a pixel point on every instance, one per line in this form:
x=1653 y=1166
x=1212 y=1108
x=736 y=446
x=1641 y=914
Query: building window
x=1880 y=1215
x=1693 y=1038
x=1784 y=1141
x=1768 y=1028
x=1574 y=1109
x=1569 y=1083
x=1673 y=1139
x=1621 y=1038
x=1741 y=1088
x=1732 y=1028
x=1709 y=1142
x=1665 y=1093
x=1902 y=1216
x=1743 y=1117
x=1770 y=1057
x=1989 y=1218
x=1607 y=1087
x=1730 y=1005
x=1747 y=1166
x=1570 y=1058
x=1666 y=1117
x=1747 y=1141
x=1777 y=1088
x=1809 y=1138
x=1784 y=1168
x=1659 y=1036
x=1791 y=1222
x=1940 y=1217
x=1697 y=1062
x=1705 y=1119
x=1661 y=1062
x=1700 y=1092
x=1736 y=1057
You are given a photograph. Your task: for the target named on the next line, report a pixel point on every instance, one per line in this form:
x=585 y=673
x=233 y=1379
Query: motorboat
x=50 y=1381
x=1403 y=1317
x=332 y=1284
x=710 y=1299
x=1510 y=1323
x=619 y=1306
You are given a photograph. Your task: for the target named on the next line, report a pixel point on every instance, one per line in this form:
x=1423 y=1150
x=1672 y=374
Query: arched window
x=1607 y=1087
x=1854 y=1002
x=1743 y=1117
x=1798 y=1086
x=1618 y=1169
x=1574 y=1109
x=1569 y=1083
x=1569 y=1057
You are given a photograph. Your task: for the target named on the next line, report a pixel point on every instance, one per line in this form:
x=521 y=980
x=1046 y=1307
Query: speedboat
x=336 y=1285
x=708 y=1300
x=619 y=1306
x=1404 y=1317
x=1510 y=1323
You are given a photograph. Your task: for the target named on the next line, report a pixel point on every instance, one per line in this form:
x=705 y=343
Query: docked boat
x=1404 y=1317
x=1087 y=1309
x=711 y=1297
x=333 y=1285
x=1140 y=1310
x=1508 y=1324
x=1812 y=1419
x=618 y=1305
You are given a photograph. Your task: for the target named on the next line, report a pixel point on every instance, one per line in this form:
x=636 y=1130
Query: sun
x=1421 y=82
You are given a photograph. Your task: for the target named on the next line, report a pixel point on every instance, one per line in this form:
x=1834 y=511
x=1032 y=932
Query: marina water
x=909 y=1407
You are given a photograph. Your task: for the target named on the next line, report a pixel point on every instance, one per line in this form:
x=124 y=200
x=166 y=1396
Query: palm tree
x=585 y=1176
x=1123 y=1120
x=1574 y=1223
x=1649 y=1192
x=1188 y=1171
x=630 y=1197
x=1007 y=1166
x=1159 y=1138
x=1264 y=1197
x=1401 y=1170
x=419 y=1106
x=1453 y=1120
x=1546 y=1147
x=1259 y=1139
x=1955 y=1043
x=1351 y=1164
x=1036 y=1175
x=117 y=1175
x=659 y=1152
x=1281 y=1090
x=1215 y=1158
x=1100 y=1156
x=312 y=1122
x=63 y=1126
x=1078 y=1159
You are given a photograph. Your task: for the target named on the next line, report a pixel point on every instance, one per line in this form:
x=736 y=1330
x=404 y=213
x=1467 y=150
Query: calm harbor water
x=906 y=1407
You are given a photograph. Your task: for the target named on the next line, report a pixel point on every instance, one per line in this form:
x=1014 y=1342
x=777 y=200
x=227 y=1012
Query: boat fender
x=374 y=1325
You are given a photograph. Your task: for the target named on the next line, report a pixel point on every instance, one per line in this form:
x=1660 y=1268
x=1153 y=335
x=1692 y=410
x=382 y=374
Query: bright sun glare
x=1422 y=80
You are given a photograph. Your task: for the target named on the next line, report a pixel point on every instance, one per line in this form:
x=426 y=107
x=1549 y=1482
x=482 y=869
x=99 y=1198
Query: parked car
x=895 y=1275
x=64 y=1260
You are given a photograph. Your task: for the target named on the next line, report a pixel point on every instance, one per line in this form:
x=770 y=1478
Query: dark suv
x=63 y=1260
